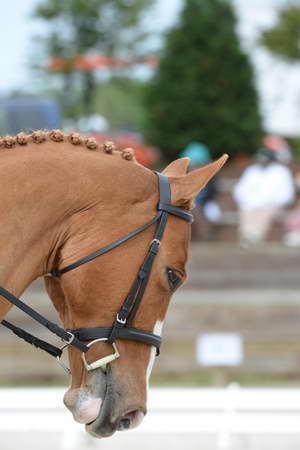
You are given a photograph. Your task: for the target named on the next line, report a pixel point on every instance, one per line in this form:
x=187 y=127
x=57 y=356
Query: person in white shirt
x=262 y=191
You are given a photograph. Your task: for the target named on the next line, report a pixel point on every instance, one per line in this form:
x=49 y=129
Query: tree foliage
x=204 y=87
x=120 y=101
x=283 y=38
x=80 y=27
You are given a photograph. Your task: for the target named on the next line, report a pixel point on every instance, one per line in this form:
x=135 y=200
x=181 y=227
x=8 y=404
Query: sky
x=277 y=83
x=16 y=29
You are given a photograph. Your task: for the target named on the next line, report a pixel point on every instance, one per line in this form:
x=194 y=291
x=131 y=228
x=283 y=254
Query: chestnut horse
x=62 y=198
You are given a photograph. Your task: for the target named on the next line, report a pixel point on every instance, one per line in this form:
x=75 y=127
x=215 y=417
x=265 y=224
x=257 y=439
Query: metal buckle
x=155 y=241
x=66 y=343
x=102 y=362
x=72 y=337
x=121 y=321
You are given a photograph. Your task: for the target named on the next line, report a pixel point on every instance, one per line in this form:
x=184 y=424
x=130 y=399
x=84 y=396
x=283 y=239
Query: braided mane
x=40 y=136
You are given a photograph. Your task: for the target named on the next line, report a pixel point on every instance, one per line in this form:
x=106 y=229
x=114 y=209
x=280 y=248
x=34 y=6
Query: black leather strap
x=89 y=334
x=165 y=200
x=175 y=211
x=53 y=327
x=133 y=300
x=164 y=188
x=108 y=248
x=33 y=340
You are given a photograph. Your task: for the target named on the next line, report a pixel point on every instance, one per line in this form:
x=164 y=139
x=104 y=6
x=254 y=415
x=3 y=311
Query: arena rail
x=223 y=413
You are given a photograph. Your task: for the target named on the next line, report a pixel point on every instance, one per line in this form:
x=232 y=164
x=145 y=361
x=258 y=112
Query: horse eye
x=173 y=278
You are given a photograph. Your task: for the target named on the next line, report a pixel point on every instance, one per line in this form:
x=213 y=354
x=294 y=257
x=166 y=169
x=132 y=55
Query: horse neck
x=42 y=187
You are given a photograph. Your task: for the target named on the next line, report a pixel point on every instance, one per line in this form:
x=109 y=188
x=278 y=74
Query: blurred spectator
x=206 y=199
x=292 y=224
x=262 y=191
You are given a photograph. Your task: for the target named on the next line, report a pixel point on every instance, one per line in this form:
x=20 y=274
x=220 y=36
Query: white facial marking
x=157 y=330
x=158 y=327
x=151 y=362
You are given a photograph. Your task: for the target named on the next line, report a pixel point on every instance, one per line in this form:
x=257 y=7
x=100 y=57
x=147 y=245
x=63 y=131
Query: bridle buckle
x=102 y=362
x=155 y=241
x=121 y=321
x=70 y=340
x=66 y=343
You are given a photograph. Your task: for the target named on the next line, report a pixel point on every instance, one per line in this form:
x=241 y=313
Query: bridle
x=122 y=325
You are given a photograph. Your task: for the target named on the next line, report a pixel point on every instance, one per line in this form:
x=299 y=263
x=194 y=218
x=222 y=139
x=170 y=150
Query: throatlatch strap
x=58 y=272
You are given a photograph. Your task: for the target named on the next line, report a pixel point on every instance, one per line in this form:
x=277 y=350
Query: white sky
x=278 y=83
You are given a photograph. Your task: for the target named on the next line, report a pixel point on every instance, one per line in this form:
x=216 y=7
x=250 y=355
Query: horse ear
x=186 y=187
x=177 y=168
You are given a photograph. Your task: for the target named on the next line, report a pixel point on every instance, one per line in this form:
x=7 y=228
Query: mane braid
x=57 y=136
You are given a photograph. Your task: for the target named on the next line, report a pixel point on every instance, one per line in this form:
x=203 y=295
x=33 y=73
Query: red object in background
x=94 y=62
x=91 y=62
x=145 y=155
x=57 y=64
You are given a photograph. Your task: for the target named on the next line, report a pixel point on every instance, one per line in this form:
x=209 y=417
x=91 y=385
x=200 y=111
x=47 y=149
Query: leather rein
x=122 y=325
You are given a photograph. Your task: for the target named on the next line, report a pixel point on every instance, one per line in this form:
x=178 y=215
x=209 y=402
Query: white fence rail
x=221 y=413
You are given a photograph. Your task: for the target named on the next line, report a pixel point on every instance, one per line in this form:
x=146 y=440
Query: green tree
x=204 y=87
x=283 y=38
x=80 y=27
x=120 y=100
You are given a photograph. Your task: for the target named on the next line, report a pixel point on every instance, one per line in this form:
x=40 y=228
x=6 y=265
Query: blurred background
x=195 y=78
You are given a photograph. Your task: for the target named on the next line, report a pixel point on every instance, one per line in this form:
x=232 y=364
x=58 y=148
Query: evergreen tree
x=283 y=38
x=204 y=87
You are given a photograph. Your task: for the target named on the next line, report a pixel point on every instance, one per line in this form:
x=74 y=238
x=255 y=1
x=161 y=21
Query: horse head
x=114 y=396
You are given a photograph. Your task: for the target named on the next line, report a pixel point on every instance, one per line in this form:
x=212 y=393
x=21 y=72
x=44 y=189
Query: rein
x=122 y=325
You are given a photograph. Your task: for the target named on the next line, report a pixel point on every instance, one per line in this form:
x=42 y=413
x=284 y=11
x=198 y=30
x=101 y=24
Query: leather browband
x=175 y=211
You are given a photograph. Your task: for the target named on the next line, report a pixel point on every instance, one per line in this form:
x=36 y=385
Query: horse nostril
x=131 y=419
x=124 y=424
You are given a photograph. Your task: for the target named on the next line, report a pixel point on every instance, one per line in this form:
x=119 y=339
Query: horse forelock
x=58 y=136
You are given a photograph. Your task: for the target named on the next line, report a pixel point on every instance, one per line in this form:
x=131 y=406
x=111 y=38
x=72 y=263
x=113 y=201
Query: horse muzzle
x=106 y=404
